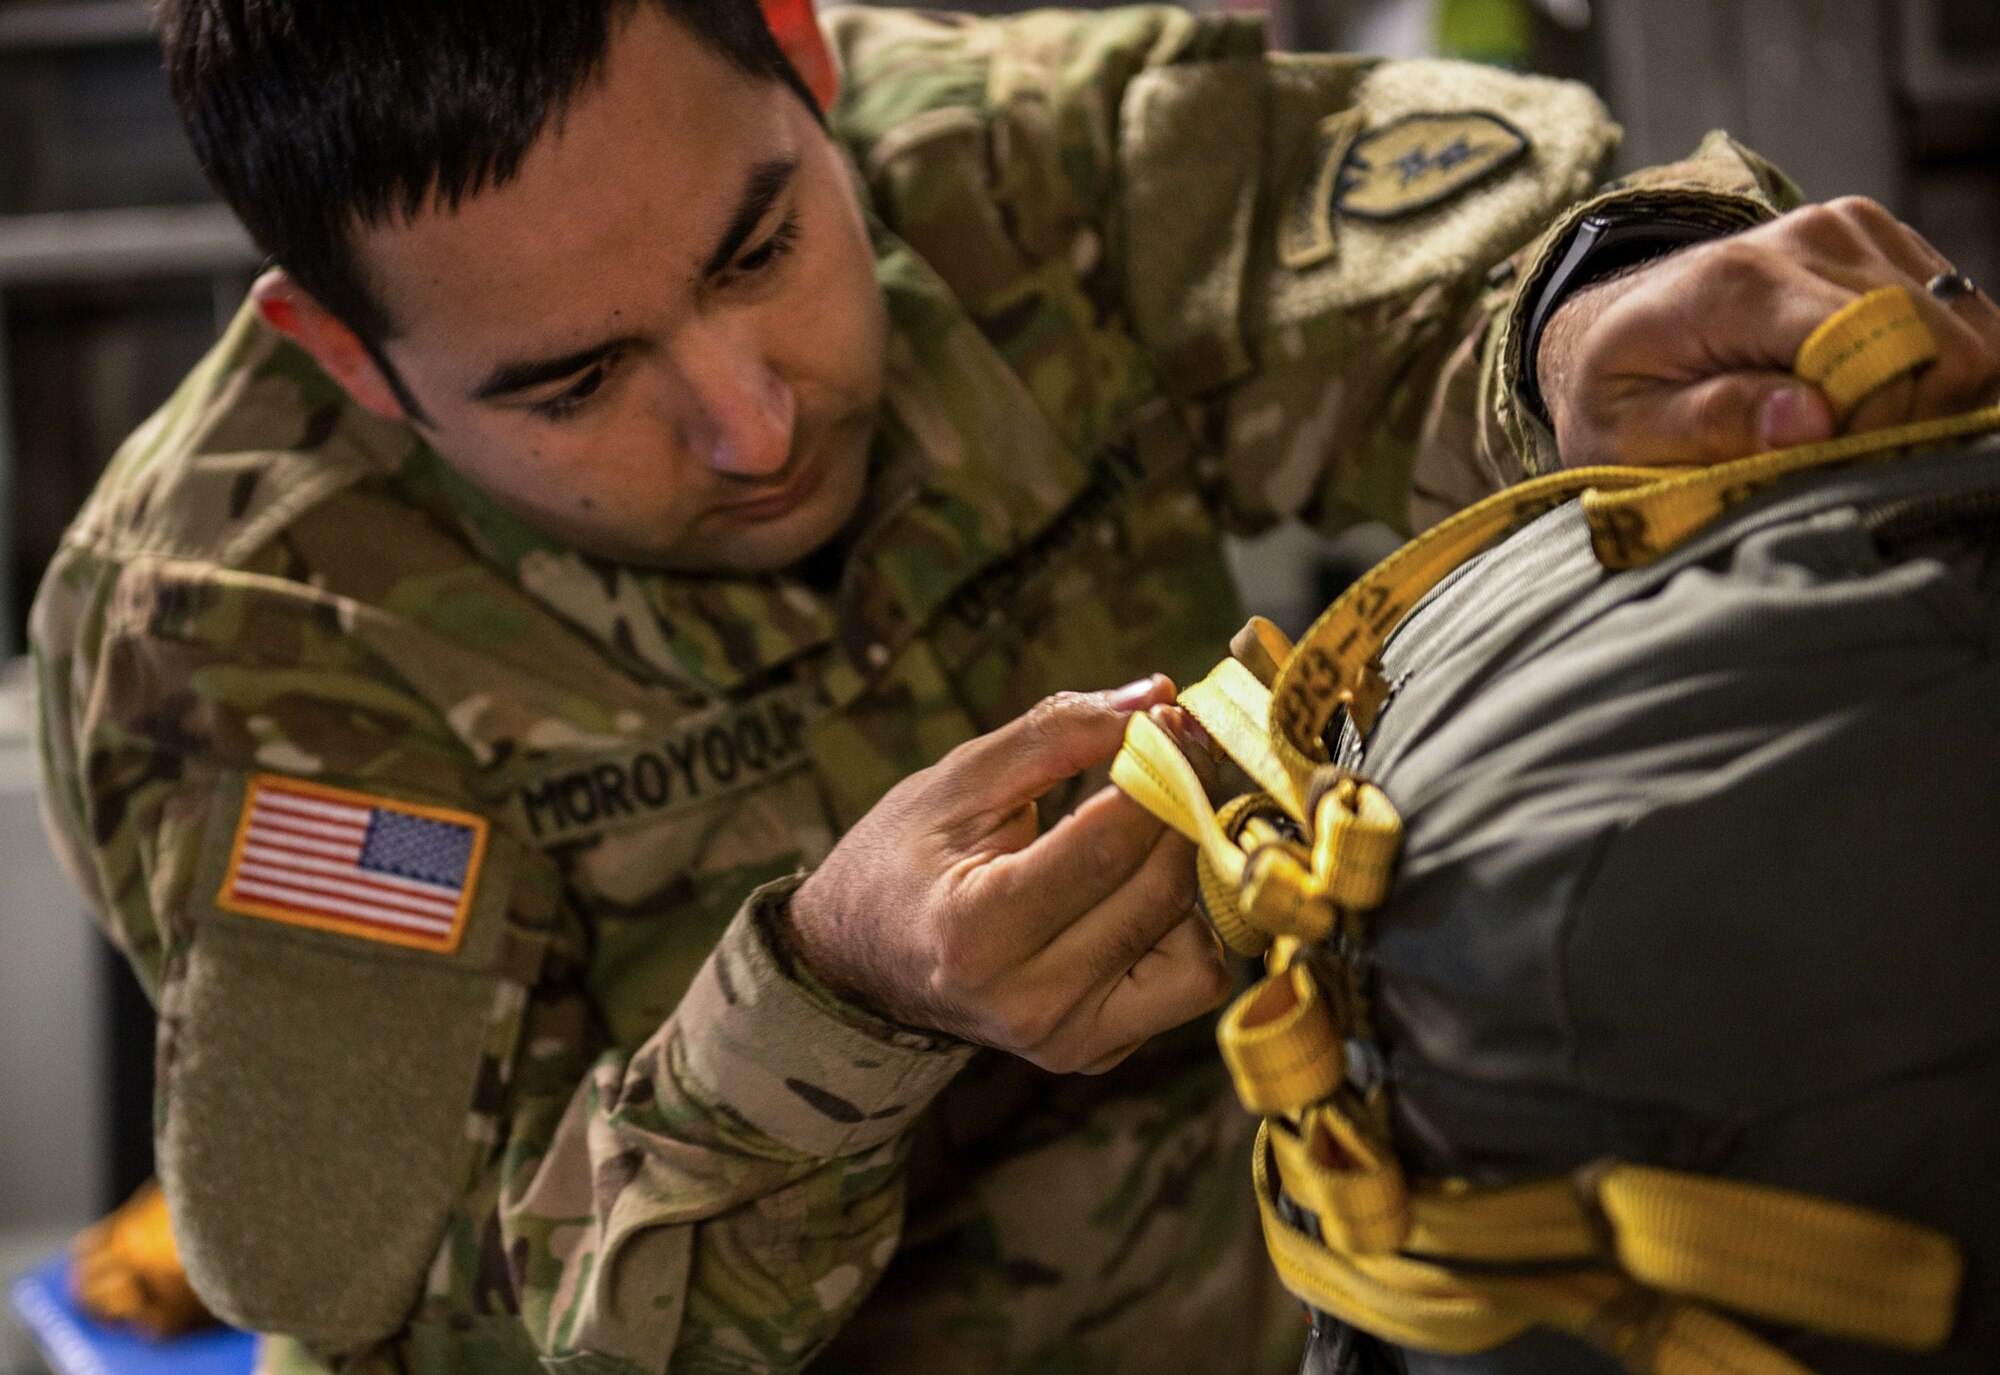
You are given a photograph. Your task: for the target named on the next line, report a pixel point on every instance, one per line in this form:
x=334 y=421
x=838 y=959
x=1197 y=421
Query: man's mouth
x=770 y=503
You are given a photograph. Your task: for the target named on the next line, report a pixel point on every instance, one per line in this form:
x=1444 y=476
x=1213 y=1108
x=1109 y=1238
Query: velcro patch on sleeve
x=1305 y=237
x=1422 y=160
x=355 y=864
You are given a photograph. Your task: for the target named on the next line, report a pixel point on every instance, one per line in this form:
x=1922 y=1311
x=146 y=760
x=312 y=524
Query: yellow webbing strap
x=1632 y=528
x=1636 y=514
x=1235 y=709
x=1282 y=1044
x=1764 y=1252
x=1624 y=1256
x=1867 y=342
x=1783 y=1256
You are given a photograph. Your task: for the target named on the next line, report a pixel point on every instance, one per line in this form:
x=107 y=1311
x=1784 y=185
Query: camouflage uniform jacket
x=608 y=1127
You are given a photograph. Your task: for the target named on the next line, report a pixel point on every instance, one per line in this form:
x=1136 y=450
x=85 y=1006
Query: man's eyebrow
x=533 y=372
x=767 y=180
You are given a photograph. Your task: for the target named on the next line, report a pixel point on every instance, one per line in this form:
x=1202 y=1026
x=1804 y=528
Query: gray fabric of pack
x=1699 y=867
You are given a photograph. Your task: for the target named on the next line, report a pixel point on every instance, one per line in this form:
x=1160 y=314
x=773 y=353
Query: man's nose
x=740 y=410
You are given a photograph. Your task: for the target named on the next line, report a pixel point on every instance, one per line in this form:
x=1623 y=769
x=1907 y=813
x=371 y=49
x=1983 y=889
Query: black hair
x=311 y=117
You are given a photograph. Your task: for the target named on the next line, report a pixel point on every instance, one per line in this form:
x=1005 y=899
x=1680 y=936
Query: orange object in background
x=796 y=28
x=129 y=1271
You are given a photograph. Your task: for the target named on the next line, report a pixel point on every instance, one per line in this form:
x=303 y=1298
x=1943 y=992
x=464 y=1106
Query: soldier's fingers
x=1715 y=420
x=1107 y=941
x=1058 y=738
x=1966 y=372
x=1112 y=1061
x=1081 y=861
x=1858 y=245
x=1181 y=977
x=1194 y=742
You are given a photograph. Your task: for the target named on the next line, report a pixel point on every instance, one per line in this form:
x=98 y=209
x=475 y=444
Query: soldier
x=576 y=711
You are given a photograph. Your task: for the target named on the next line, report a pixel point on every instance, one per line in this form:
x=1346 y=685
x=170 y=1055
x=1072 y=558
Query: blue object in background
x=75 y=1344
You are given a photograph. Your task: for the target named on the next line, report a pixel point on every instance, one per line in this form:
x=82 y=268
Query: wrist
x=806 y=943
x=771 y=1052
x=1602 y=247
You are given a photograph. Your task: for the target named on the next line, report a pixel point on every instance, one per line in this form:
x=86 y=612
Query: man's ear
x=286 y=307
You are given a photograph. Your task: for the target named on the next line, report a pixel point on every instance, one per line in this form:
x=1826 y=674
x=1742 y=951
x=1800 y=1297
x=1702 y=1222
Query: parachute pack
x=1622 y=862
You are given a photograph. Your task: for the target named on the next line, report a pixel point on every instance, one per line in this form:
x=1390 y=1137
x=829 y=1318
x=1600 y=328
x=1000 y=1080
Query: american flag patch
x=353 y=863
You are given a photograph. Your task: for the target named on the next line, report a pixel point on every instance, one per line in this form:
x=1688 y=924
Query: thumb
x=1730 y=416
x=1057 y=738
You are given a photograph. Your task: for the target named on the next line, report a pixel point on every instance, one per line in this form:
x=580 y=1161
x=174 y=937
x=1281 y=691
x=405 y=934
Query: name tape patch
x=354 y=863
x=710 y=756
x=1419 y=161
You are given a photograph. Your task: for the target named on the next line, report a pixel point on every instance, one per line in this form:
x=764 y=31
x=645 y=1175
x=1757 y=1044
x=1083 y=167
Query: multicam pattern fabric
x=615 y=1130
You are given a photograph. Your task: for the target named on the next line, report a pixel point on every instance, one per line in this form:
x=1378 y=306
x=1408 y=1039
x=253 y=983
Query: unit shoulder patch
x=353 y=863
x=1422 y=160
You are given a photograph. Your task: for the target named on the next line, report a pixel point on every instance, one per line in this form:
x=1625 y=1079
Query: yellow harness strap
x=1869 y=341
x=1625 y=1256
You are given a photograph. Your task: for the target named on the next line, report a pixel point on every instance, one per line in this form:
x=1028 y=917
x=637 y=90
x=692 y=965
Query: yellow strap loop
x=1220 y=896
x=1356 y=834
x=1282 y=1044
x=1235 y=709
x=1351 y=1182
x=1868 y=342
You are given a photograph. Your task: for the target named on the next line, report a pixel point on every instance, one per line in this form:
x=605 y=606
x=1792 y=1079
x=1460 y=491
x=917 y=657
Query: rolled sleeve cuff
x=1722 y=184
x=792 y=1062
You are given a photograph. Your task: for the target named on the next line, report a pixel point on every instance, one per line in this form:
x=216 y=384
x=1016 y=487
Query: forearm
x=722 y=1198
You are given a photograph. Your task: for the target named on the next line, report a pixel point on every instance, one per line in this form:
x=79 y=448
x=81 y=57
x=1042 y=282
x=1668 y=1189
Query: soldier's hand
x=946 y=907
x=1689 y=359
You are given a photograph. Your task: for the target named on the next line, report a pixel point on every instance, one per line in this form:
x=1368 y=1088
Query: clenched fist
x=946 y=907
x=1689 y=359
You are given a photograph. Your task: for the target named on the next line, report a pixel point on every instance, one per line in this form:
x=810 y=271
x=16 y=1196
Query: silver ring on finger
x=1951 y=285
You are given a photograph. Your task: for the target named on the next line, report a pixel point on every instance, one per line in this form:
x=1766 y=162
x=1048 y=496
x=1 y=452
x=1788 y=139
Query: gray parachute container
x=1701 y=869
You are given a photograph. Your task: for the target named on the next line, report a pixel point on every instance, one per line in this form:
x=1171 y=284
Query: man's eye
x=767 y=254
x=571 y=398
